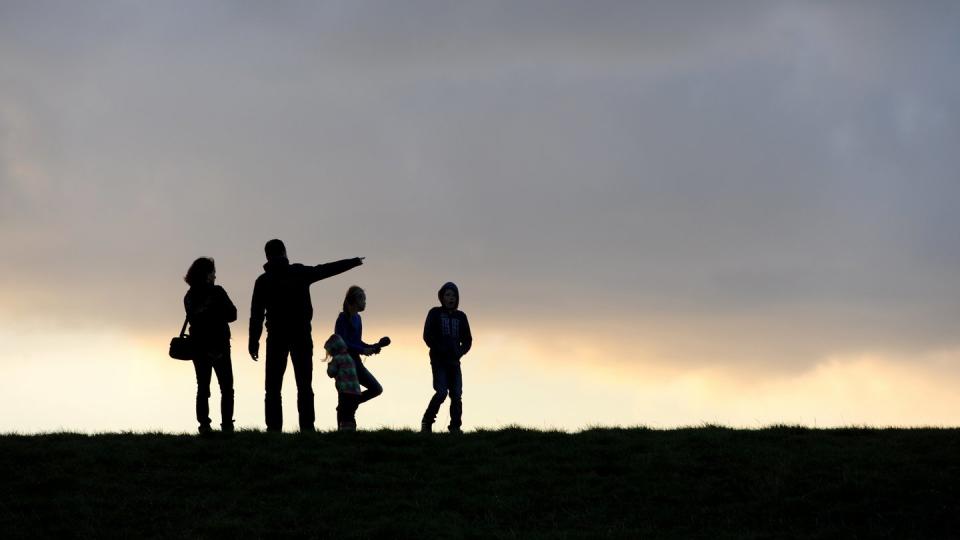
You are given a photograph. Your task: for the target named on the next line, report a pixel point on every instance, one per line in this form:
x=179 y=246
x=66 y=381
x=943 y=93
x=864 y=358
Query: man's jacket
x=282 y=295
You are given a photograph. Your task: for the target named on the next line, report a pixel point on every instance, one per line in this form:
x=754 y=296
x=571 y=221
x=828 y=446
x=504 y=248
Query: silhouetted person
x=447 y=333
x=209 y=311
x=344 y=372
x=349 y=327
x=282 y=294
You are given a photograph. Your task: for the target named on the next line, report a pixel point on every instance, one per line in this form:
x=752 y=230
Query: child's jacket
x=342 y=368
x=447 y=333
x=351 y=330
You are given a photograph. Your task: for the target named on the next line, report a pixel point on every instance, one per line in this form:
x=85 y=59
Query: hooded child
x=344 y=372
x=447 y=334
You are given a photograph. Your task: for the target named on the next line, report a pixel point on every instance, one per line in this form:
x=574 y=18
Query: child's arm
x=466 y=338
x=332 y=368
x=376 y=347
x=429 y=329
x=345 y=329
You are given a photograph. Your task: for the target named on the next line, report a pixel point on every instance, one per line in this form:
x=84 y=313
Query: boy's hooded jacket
x=447 y=332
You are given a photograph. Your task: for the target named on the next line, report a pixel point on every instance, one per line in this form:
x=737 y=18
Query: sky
x=661 y=214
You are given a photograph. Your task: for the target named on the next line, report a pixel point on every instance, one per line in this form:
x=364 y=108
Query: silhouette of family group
x=281 y=302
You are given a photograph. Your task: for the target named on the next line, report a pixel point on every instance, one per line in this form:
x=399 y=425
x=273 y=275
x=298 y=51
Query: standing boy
x=447 y=333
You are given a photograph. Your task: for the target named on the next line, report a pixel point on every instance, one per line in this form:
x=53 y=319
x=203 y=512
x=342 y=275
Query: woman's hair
x=197 y=274
x=334 y=346
x=353 y=294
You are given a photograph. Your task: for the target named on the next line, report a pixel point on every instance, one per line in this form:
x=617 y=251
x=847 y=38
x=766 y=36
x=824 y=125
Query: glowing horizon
x=132 y=386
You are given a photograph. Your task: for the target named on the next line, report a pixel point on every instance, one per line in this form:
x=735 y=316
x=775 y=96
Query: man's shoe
x=426 y=427
x=205 y=429
x=226 y=428
x=455 y=430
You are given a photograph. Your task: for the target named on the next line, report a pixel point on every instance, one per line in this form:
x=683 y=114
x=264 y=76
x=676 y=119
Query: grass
x=708 y=482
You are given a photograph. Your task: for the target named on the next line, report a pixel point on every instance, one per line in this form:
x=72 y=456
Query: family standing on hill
x=281 y=299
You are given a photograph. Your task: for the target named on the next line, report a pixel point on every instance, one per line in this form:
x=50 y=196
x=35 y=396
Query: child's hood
x=335 y=345
x=452 y=286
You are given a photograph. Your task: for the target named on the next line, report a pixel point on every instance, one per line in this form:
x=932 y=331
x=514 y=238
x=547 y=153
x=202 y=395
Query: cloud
x=754 y=182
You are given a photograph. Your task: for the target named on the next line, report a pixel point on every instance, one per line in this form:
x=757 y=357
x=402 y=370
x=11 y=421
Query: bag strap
x=184 y=329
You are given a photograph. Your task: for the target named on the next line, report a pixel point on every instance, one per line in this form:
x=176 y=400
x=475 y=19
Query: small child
x=447 y=333
x=344 y=372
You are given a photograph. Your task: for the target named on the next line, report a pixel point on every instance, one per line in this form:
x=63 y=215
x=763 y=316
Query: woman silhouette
x=209 y=311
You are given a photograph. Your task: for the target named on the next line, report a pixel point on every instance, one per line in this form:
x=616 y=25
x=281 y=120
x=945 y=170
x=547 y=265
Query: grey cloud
x=717 y=168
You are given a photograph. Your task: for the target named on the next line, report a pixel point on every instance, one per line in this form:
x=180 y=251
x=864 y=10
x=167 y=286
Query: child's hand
x=384 y=341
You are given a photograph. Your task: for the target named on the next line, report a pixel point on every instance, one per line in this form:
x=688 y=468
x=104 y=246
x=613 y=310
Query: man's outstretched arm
x=323 y=271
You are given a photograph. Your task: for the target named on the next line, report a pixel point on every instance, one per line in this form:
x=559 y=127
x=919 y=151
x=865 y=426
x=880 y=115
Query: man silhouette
x=282 y=294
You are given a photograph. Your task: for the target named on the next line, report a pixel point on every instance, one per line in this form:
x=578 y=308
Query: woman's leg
x=203 y=368
x=224 y=368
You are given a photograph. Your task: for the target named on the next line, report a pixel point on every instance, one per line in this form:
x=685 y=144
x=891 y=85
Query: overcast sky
x=760 y=184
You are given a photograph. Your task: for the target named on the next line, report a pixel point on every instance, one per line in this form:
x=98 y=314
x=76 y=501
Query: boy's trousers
x=447 y=379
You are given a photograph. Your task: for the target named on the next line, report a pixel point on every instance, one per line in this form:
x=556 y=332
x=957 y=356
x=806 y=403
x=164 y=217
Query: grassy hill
x=625 y=483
